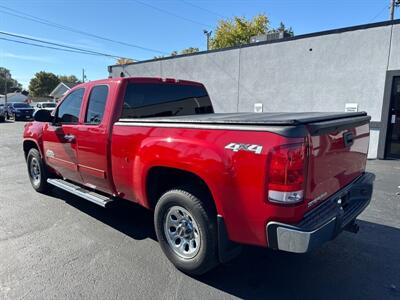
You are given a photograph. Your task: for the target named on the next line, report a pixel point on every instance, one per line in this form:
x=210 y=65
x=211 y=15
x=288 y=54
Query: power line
x=378 y=14
x=172 y=14
x=32 y=18
x=58 y=44
x=50 y=47
x=203 y=8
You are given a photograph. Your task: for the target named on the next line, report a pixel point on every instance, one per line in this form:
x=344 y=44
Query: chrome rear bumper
x=326 y=221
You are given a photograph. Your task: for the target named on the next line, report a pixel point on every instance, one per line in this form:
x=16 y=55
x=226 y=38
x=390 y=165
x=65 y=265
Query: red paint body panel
x=66 y=161
x=116 y=158
x=236 y=179
x=332 y=165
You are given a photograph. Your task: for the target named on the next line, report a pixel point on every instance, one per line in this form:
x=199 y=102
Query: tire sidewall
x=199 y=263
x=42 y=185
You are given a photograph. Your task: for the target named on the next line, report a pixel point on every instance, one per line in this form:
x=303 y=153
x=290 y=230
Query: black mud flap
x=227 y=250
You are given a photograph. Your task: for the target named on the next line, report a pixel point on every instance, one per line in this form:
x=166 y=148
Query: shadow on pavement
x=124 y=216
x=361 y=266
x=353 y=266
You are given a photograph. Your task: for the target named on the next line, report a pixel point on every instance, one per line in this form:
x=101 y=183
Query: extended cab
x=287 y=181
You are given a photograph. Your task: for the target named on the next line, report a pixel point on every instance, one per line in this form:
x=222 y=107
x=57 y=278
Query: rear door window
x=97 y=104
x=143 y=100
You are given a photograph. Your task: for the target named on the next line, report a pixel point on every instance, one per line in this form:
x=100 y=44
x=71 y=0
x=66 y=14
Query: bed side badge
x=236 y=147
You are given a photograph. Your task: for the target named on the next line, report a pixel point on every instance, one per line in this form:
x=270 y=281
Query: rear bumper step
x=81 y=192
x=325 y=222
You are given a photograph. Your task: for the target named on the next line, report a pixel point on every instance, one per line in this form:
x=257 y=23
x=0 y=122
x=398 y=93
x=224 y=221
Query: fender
x=33 y=132
x=205 y=160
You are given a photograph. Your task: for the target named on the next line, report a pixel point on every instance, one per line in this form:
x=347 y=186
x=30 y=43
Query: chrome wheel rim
x=34 y=171
x=182 y=232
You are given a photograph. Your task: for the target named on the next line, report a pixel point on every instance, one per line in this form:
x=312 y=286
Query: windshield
x=21 y=105
x=48 y=105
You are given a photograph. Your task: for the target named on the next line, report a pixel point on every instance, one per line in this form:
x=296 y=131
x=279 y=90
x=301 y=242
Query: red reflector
x=286 y=170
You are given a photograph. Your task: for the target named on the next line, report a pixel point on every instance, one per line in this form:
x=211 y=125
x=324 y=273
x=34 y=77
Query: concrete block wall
x=320 y=72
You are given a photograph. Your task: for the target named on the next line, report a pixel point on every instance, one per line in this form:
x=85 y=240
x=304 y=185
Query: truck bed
x=285 y=123
x=276 y=118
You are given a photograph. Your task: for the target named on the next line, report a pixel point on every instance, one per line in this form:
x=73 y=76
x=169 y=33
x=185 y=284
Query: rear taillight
x=286 y=173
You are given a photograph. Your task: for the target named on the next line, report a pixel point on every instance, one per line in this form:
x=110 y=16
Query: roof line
x=58 y=86
x=288 y=39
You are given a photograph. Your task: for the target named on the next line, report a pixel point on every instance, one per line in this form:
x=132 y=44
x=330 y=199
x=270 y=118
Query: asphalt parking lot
x=58 y=246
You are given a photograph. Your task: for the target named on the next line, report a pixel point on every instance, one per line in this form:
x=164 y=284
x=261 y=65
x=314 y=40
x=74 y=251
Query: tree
x=6 y=78
x=239 y=30
x=124 y=61
x=184 y=51
x=42 y=84
x=283 y=28
x=69 y=78
x=189 y=50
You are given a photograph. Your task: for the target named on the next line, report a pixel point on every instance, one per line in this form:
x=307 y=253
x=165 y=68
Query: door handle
x=69 y=137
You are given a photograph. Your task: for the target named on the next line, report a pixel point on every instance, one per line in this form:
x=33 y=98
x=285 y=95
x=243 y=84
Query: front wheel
x=186 y=230
x=37 y=171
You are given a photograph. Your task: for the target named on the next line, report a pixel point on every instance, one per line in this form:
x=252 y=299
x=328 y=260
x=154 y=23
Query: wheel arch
x=160 y=179
x=28 y=144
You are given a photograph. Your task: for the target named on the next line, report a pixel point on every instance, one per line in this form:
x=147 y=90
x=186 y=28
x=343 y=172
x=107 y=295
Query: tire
x=192 y=245
x=2 y=119
x=37 y=171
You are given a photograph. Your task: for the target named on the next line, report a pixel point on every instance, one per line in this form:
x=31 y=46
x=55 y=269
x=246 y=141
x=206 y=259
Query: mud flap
x=227 y=250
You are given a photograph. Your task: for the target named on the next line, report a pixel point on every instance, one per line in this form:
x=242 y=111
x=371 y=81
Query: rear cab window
x=145 y=100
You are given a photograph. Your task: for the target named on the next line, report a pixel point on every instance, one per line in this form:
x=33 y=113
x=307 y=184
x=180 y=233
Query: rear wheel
x=37 y=171
x=186 y=230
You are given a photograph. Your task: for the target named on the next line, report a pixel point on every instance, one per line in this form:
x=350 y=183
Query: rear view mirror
x=43 y=115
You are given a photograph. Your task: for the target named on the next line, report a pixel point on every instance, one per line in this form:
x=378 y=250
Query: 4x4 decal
x=236 y=147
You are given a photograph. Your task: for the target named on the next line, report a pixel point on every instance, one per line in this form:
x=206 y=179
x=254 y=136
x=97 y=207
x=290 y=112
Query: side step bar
x=80 y=192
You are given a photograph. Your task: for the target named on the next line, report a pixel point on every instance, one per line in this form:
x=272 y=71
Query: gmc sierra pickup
x=287 y=181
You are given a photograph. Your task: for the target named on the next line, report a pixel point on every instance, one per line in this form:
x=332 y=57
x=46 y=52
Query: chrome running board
x=81 y=192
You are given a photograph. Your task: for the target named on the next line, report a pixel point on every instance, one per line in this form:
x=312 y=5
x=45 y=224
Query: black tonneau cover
x=277 y=118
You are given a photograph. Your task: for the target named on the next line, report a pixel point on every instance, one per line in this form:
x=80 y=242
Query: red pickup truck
x=287 y=181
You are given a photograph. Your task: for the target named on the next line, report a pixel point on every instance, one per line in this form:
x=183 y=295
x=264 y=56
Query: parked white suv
x=50 y=106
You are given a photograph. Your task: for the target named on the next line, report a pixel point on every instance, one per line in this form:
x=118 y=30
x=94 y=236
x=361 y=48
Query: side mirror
x=43 y=115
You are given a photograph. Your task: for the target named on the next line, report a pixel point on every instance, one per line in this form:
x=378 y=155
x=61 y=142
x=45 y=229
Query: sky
x=161 y=25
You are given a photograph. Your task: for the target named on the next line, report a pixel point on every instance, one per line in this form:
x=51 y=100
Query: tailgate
x=338 y=155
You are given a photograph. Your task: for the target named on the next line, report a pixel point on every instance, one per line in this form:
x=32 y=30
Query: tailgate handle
x=348 y=139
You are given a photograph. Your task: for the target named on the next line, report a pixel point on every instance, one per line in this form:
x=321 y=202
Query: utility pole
x=208 y=35
x=83 y=75
x=393 y=5
x=6 y=77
